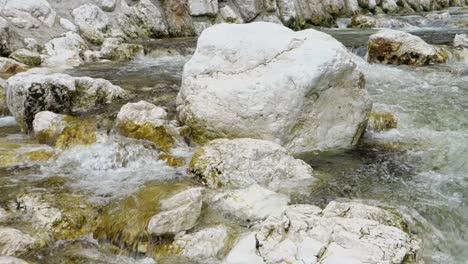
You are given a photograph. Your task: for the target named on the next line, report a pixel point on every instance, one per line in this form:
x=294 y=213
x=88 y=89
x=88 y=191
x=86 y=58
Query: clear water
x=420 y=168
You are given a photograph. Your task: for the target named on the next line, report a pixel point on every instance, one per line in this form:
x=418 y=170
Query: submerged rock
x=24 y=155
x=178 y=213
x=241 y=83
x=342 y=233
x=63 y=131
x=382 y=122
x=461 y=41
x=143 y=120
x=250 y=205
x=29 y=94
x=239 y=163
x=14 y=242
x=398 y=47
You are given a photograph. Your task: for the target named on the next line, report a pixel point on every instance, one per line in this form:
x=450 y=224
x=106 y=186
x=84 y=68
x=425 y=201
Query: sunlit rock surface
x=398 y=47
x=241 y=83
x=239 y=163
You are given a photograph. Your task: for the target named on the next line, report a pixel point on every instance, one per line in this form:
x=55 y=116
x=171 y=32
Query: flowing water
x=420 y=168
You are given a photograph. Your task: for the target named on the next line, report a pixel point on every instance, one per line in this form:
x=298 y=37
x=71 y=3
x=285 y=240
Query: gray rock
x=27 y=57
x=203 y=7
x=92 y=22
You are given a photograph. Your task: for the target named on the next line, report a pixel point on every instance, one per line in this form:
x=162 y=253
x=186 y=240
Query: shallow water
x=419 y=169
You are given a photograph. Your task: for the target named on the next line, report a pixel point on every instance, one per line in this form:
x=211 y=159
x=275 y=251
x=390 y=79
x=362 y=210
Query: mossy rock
x=124 y=223
x=18 y=157
x=172 y=160
x=382 y=121
x=159 y=135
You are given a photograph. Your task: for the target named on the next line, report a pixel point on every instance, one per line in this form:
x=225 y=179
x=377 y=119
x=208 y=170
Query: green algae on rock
x=382 y=122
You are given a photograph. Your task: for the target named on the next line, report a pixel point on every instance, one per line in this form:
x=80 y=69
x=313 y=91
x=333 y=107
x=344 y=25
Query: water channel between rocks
x=419 y=169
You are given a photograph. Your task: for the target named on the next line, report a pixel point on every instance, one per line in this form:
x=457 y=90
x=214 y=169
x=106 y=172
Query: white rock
x=141 y=113
x=178 y=213
x=252 y=204
x=106 y=5
x=31 y=44
x=49 y=123
x=302 y=235
x=240 y=163
x=204 y=246
x=92 y=22
x=461 y=40
x=249 y=9
x=241 y=83
x=398 y=47
x=13 y=241
x=11 y=260
x=149 y=17
x=29 y=94
x=29 y=13
x=229 y=15
x=244 y=252
x=64 y=51
x=68 y=25
x=203 y=7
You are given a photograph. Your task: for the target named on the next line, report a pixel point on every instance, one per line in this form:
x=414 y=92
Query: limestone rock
x=250 y=205
x=249 y=9
x=178 y=19
x=143 y=120
x=11 y=260
x=241 y=83
x=178 y=213
x=13 y=241
x=203 y=7
x=204 y=246
x=149 y=17
x=239 y=163
x=68 y=25
x=11 y=66
x=398 y=47
x=29 y=94
x=305 y=234
x=28 y=13
x=27 y=57
x=382 y=122
x=64 y=51
x=106 y=5
x=229 y=15
x=287 y=11
x=4 y=37
x=244 y=251
x=113 y=49
x=461 y=40
x=92 y=22
x=3 y=103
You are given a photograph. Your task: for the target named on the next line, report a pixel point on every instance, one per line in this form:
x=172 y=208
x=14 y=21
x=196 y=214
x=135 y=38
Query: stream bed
x=420 y=168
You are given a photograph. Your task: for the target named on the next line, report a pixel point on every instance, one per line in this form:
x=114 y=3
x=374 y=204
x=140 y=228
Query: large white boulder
x=305 y=234
x=64 y=51
x=240 y=163
x=28 y=94
x=250 y=205
x=28 y=13
x=92 y=22
x=13 y=241
x=178 y=213
x=398 y=47
x=302 y=90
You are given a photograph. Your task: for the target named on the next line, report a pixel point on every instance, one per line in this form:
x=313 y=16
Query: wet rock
x=203 y=7
x=25 y=155
x=249 y=9
x=64 y=51
x=178 y=213
x=63 y=131
x=382 y=122
x=143 y=120
x=11 y=66
x=29 y=94
x=232 y=87
x=302 y=234
x=461 y=40
x=239 y=163
x=27 y=57
x=11 y=260
x=250 y=205
x=142 y=19
x=362 y=21
x=114 y=49
x=398 y=47
x=14 y=242
x=92 y=22
x=204 y=246
x=28 y=13
x=4 y=37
